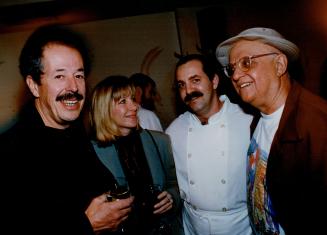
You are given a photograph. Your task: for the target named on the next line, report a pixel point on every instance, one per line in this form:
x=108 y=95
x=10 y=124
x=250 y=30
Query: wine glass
x=153 y=190
x=121 y=191
x=160 y=226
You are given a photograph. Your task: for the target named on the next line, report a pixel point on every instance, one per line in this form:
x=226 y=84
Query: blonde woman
x=141 y=158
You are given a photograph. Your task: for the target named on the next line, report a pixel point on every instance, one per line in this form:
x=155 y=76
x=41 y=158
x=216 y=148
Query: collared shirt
x=211 y=160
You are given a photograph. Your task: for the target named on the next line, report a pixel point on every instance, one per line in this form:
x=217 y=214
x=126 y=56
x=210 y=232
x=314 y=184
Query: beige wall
x=118 y=45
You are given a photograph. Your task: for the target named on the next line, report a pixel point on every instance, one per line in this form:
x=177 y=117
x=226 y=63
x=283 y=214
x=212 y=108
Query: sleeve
x=169 y=165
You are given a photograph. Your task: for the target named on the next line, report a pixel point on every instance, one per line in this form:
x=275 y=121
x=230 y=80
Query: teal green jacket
x=158 y=151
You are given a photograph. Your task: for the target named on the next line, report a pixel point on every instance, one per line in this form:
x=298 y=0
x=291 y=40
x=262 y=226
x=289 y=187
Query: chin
x=132 y=125
x=70 y=115
x=245 y=97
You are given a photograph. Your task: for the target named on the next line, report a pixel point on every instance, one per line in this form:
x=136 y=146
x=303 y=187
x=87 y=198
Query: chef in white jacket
x=210 y=144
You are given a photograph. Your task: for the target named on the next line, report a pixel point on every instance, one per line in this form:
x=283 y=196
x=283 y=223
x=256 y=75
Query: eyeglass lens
x=243 y=64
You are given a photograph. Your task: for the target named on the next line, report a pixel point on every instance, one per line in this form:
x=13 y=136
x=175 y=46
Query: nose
x=188 y=88
x=237 y=74
x=72 y=84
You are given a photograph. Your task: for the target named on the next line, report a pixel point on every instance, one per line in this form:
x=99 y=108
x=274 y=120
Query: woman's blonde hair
x=105 y=94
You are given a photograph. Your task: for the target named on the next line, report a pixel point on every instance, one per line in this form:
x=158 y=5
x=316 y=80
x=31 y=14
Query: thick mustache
x=192 y=95
x=70 y=95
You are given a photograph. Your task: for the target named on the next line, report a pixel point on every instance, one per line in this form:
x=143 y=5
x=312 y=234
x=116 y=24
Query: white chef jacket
x=148 y=119
x=210 y=164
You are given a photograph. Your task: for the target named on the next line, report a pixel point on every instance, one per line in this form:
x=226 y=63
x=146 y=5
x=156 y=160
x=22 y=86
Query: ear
x=138 y=94
x=32 y=85
x=215 y=81
x=281 y=64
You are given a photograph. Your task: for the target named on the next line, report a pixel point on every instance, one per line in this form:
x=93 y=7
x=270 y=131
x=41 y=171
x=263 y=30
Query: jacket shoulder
x=158 y=135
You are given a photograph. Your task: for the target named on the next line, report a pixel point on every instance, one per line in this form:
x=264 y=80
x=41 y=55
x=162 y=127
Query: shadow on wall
x=23 y=96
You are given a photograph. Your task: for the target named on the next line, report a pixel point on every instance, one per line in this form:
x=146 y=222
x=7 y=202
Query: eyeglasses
x=244 y=64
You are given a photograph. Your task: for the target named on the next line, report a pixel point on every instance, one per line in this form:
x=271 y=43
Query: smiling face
x=124 y=113
x=60 y=97
x=196 y=89
x=261 y=84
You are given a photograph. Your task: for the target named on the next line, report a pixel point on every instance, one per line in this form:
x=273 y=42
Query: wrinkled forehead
x=244 y=47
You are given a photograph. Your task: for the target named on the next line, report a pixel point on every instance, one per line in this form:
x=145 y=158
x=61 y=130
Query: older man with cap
x=287 y=157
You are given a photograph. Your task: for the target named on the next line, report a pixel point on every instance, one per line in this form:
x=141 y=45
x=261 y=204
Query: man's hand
x=104 y=215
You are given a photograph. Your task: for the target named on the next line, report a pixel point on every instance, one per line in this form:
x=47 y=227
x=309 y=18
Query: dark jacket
x=48 y=177
x=297 y=164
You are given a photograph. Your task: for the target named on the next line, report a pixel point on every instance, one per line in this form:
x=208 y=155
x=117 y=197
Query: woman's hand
x=165 y=203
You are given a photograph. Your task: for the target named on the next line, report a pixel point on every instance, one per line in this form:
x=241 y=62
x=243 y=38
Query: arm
x=171 y=184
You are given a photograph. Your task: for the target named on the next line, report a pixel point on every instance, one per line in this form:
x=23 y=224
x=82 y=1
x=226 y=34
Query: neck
x=125 y=131
x=214 y=108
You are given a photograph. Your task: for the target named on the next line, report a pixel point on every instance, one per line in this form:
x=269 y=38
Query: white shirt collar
x=216 y=117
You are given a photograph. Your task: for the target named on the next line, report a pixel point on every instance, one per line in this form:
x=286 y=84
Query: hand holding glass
x=119 y=192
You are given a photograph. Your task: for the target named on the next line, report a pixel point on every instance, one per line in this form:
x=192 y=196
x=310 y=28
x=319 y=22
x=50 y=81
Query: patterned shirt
x=261 y=211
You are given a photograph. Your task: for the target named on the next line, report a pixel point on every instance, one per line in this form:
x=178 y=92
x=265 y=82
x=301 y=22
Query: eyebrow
x=78 y=70
x=193 y=76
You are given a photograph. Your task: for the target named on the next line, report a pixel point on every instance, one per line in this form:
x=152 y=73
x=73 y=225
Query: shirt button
x=224 y=209
x=223 y=181
x=189 y=155
x=191 y=182
x=222 y=153
x=190 y=129
x=222 y=125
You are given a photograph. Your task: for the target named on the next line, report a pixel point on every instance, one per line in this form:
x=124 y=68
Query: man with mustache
x=54 y=182
x=209 y=143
